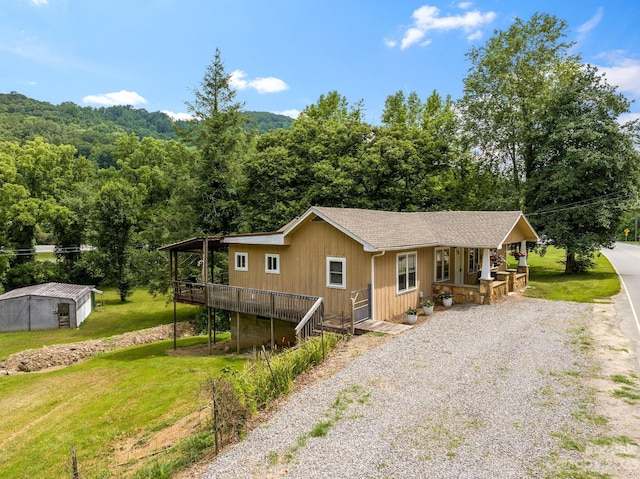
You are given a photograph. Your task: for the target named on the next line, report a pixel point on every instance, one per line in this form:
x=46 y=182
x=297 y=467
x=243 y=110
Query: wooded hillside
x=93 y=130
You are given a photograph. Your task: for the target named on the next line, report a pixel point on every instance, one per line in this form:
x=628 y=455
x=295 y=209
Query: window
x=442 y=264
x=406 y=271
x=242 y=262
x=474 y=260
x=337 y=273
x=272 y=263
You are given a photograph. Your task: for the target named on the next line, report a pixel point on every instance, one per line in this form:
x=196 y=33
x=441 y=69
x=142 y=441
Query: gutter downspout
x=373 y=284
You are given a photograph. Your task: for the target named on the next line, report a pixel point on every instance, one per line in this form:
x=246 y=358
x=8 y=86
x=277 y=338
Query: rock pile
x=66 y=354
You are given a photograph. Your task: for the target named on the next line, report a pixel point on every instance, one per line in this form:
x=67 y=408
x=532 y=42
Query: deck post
x=273 y=339
x=238 y=332
x=175 y=324
x=209 y=328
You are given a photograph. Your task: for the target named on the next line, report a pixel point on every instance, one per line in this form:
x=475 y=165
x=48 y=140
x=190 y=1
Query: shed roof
x=389 y=230
x=50 y=290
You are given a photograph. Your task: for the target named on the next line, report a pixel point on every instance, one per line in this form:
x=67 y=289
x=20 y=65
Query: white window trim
x=476 y=260
x=246 y=261
x=408 y=289
x=435 y=265
x=343 y=285
x=266 y=263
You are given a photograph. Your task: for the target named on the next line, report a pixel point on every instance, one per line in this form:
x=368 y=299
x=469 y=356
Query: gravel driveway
x=474 y=392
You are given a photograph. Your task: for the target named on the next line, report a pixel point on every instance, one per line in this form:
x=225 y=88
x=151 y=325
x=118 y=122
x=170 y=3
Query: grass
x=97 y=405
x=140 y=311
x=549 y=281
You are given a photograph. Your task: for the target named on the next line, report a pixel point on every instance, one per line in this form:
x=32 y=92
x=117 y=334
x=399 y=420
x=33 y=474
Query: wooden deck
x=342 y=325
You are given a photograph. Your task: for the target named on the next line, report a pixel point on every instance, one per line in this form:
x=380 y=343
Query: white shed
x=45 y=306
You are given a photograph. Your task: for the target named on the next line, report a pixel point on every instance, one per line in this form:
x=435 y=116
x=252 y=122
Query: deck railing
x=189 y=292
x=312 y=321
x=269 y=304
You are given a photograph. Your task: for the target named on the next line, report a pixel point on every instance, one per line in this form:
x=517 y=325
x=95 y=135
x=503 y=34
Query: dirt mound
x=59 y=355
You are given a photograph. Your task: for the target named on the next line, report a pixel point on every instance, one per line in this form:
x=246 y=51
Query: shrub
x=270 y=376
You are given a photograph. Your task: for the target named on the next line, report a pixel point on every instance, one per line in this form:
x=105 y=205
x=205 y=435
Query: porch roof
x=388 y=230
x=194 y=245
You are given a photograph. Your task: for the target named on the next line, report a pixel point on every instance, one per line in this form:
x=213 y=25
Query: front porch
x=487 y=290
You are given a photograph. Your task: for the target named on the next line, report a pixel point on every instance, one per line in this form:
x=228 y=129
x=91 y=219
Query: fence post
x=74 y=462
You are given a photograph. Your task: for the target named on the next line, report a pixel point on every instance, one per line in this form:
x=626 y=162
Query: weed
x=273 y=458
x=628 y=394
x=570 y=443
x=614 y=440
x=619 y=378
x=576 y=471
x=321 y=429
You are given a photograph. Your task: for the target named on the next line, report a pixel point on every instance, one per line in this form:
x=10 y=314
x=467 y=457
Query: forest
x=536 y=130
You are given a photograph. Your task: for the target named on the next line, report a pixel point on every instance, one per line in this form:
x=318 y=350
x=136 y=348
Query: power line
x=617 y=196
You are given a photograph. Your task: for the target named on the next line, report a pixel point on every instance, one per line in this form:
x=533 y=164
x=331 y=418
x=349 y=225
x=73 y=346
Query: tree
x=507 y=92
x=115 y=214
x=585 y=171
x=218 y=132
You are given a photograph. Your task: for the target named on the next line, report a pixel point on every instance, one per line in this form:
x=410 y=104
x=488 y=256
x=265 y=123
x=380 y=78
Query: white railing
x=311 y=321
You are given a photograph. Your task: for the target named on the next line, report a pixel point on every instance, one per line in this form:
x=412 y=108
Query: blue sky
x=283 y=53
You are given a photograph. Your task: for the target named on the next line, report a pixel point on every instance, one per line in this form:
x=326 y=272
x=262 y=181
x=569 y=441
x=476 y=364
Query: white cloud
x=591 y=24
x=390 y=42
x=477 y=35
x=178 y=116
x=627 y=117
x=122 y=97
x=427 y=19
x=261 y=85
x=39 y=2
x=292 y=113
x=465 y=5
x=624 y=74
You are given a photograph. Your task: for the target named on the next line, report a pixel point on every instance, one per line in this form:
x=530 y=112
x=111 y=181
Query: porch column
x=486 y=264
x=522 y=260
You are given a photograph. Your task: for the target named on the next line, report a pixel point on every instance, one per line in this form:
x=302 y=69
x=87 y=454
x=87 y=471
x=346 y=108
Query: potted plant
x=447 y=299
x=427 y=307
x=412 y=315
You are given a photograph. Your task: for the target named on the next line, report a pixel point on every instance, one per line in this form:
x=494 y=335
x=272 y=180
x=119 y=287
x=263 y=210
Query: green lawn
x=140 y=311
x=97 y=405
x=548 y=280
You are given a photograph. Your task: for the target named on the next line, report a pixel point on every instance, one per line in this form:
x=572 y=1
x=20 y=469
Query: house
x=45 y=306
x=364 y=264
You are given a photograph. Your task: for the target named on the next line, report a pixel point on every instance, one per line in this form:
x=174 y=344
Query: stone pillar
x=524 y=269
x=486 y=291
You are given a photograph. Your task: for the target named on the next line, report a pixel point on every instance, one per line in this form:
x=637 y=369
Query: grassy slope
x=102 y=401
x=548 y=280
x=97 y=404
x=139 y=312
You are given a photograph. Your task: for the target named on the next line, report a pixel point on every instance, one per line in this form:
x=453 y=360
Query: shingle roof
x=53 y=290
x=392 y=230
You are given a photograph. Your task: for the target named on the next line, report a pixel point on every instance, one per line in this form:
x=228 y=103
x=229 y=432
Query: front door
x=63 y=315
x=458 y=262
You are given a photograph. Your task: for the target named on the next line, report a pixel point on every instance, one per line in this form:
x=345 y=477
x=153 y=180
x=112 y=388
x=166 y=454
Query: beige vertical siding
x=303 y=265
x=388 y=302
x=520 y=232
